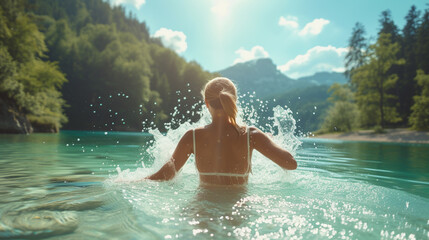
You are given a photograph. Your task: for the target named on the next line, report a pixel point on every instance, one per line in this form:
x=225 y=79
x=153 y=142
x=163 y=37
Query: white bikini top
x=227 y=174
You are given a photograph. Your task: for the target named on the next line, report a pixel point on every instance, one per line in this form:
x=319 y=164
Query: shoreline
x=398 y=135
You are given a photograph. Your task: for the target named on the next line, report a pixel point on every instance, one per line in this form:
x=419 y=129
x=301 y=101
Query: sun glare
x=221 y=8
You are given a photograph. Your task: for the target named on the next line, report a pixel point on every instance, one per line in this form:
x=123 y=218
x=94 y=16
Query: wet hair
x=221 y=93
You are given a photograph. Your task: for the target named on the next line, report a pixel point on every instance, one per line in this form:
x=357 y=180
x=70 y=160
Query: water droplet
x=78 y=139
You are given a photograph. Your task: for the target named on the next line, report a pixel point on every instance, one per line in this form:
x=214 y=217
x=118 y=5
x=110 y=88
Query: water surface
x=79 y=185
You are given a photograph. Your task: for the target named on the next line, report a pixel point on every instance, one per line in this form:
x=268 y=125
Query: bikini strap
x=193 y=137
x=248 y=151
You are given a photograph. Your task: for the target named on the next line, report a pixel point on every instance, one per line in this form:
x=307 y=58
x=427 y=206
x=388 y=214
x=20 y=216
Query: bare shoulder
x=187 y=138
x=258 y=138
x=255 y=132
x=200 y=129
x=256 y=135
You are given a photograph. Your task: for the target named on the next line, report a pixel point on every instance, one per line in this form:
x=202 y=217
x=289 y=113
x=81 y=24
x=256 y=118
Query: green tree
x=373 y=81
x=40 y=82
x=357 y=46
x=32 y=84
x=343 y=115
x=111 y=70
x=406 y=87
x=419 y=118
x=388 y=26
x=422 y=47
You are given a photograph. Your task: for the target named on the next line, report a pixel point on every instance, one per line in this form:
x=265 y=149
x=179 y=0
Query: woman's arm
x=180 y=156
x=271 y=150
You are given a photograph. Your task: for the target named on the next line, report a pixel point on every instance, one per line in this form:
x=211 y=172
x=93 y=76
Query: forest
x=389 y=78
x=89 y=66
x=86 y=65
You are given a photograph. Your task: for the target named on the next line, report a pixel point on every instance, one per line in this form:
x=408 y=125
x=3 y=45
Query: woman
x=223 y=149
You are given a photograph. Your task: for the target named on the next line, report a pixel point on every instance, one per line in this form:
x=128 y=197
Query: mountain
x=261 y=75
x=321 y=78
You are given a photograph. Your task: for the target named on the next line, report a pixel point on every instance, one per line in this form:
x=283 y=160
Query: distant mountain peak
x=267 y=61
x=262 y=76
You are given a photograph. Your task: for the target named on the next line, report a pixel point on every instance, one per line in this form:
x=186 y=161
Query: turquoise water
x=79 y=185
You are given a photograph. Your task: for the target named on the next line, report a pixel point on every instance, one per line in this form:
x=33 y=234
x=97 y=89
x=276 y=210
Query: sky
x=301 y=37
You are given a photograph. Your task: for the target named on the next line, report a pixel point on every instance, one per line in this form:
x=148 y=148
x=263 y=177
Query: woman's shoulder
x=199 y=129
x=254 y=130
x=256 y=134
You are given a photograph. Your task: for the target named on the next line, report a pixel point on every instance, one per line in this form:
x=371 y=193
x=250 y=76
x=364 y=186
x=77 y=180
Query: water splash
x=281 y=126
x=286 y=126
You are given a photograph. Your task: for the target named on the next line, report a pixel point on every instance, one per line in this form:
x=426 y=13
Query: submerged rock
x=37 y=224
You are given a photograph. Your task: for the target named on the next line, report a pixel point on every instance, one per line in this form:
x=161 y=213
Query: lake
x=81 y=185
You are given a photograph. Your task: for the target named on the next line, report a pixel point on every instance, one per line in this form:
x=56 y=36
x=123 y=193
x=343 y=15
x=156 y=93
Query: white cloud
x=314 y=27
x=289 y=22
x=174 y=40
x=316 y=59
x=247 y=55
x=136 y=3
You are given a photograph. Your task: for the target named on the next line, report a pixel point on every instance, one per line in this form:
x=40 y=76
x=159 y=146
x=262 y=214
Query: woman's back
x=223 y=149
x=223 y=154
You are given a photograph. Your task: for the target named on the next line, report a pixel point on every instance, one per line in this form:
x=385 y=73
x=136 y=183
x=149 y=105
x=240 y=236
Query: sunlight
x=221 y=8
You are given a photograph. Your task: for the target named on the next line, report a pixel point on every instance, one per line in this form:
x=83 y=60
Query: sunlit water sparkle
x=84 y=185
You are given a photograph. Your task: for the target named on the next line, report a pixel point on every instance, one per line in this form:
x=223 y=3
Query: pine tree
x=406 y=86
x=388 y=26
x=357 y=47
x=422 y=48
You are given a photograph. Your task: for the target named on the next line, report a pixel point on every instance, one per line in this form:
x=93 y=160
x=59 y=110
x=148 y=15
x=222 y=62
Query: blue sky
x=302 y=37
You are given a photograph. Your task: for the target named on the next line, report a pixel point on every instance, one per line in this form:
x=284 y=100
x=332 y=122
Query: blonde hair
x=221 y=93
